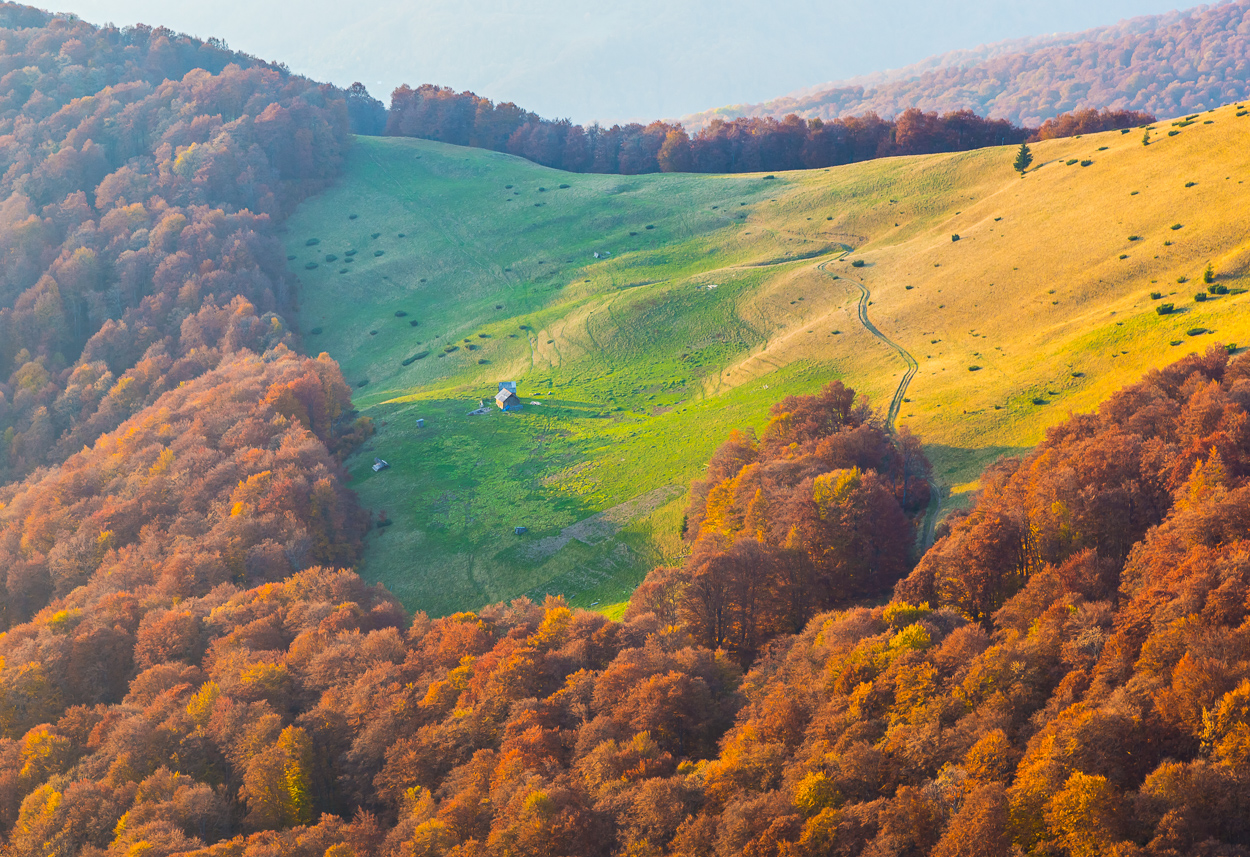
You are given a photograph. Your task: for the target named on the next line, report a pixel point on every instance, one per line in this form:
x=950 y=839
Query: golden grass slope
x=643 y=367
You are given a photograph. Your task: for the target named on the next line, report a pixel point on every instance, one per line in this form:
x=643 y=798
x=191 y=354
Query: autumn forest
x=189 y=664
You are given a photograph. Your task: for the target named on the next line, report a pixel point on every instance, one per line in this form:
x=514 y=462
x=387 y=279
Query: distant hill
x=1162 y=64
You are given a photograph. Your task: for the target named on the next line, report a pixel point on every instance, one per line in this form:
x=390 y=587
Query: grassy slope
x=641 y=368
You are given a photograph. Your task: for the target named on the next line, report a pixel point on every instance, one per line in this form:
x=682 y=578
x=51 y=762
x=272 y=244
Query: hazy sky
x=610 y=61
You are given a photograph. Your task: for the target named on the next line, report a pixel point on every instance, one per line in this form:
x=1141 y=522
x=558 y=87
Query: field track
x=896 y=403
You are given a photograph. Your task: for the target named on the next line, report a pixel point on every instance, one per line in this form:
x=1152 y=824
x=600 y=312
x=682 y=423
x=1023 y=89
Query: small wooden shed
x=506 y=398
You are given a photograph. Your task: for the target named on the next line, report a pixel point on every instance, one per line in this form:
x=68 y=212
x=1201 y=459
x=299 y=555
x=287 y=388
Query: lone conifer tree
x=1023 y=158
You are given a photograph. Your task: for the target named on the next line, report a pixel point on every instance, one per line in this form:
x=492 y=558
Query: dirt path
x=896 y=403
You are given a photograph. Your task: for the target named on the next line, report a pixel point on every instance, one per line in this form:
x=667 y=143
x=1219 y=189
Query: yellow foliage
x=163 y=462
x=900 y=614
x=815 y=793
x=832 y=489
x=200 y=708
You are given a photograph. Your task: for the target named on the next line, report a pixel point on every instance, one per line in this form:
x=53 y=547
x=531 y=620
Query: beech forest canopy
x=188 y=664
x=734 y=146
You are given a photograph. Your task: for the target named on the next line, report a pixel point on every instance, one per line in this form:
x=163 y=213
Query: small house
x=379 y=464
x=506 y=398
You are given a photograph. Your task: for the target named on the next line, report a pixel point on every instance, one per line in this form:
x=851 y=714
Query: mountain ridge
x=1029 y=86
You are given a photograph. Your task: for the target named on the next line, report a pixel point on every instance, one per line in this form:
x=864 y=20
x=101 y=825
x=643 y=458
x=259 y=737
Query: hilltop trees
x=739 y=145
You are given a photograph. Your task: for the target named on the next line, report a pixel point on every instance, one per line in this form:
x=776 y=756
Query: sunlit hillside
x=440 y=272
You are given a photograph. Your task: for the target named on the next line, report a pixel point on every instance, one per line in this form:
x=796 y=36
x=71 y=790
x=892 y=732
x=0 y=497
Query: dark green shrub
x=974 y=368
x=1182 y=279
x=1196 y=331
x=858 y=263
x=955 y=237
x=310 y=266
x=290 y=258
x=1176 y=226
x=312 y=242
x=421 y=355
x=399 y=313
x=650 y=226
x=1164 y=309
x=1039 y=401
x=1123 y=255
x=451 y=348
x=364 y=383
x=1173 y=133
x=482 y=361
x=1086 y=163
x=1154 y=296
x=352 y=216
x=413 y=323
x=564 y=187
x=1208 y=276
x=1134 y=238
x=1191 y=184
x=330 y=257
x=1071 y=162
x=378 y=252
x=316 y=331
x=1217 y=289
x=1230 y=347
x=376 y=235
x=1200 y=297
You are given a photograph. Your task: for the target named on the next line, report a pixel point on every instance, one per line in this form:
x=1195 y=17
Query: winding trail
x=900 y=393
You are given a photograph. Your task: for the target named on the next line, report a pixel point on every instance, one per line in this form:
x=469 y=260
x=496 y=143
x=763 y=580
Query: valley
x=643 y=317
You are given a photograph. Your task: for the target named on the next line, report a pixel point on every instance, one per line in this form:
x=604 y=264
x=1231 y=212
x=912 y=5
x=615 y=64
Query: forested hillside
x=1167 y=65
x=1065 y=672
x=145 y=175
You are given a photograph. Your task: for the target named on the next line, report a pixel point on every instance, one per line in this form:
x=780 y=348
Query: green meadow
x=644 y=317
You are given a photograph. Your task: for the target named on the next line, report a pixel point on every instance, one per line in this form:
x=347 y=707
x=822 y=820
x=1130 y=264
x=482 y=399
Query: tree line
x=756 y=144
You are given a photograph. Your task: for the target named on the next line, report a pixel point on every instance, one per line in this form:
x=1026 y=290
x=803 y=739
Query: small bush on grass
x=858 y=263
x=1165 y=309
x=1200 y=297
x=1154 y=296
x=1196 y=331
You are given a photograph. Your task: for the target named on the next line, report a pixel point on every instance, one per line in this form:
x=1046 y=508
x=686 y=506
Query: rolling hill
x=431 y=273
x=1160 y=64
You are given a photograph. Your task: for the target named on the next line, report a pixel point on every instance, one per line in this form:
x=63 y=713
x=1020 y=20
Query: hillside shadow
x=955 y=466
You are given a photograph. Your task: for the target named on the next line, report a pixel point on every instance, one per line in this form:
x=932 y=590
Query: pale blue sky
x=608 y=61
